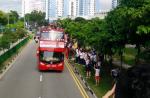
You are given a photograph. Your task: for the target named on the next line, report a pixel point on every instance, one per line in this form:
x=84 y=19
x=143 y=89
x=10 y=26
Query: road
x=23 y=80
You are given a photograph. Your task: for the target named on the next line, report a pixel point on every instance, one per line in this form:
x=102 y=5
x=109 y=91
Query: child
x=88 y=69
x=97 y=75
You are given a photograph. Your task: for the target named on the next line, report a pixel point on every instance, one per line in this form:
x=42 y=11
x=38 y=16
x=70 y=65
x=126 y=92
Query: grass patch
x=128 y=56
x=131 y=51
x=106 y=80
x=10 y=54
x=145 y=56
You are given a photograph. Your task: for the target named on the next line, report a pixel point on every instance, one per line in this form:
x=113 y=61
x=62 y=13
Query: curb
x=85 y=83
x=8 y=66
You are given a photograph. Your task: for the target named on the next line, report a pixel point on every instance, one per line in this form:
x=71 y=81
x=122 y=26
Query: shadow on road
x=51 y=71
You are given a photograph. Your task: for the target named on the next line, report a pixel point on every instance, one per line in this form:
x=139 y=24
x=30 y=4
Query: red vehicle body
x=51 y=50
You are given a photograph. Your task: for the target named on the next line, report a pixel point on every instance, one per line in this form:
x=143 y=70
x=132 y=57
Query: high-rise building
x=60 y=8
x=50 y=9
x=86 y=7
x=101 y=13
x=29 y=5
x=73 y=8
x=91 y=8
x=114 y=3
x=54 y=9
x=38 y=5
x=81 y=8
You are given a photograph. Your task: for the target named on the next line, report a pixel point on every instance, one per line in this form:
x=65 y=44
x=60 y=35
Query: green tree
x=36 y=18
x=4 y=42
x=133 y=3
x=13 y=17
x=79 y=19
x=129 y=23
x=63 y=23
x=3 y=18
x=21 y=33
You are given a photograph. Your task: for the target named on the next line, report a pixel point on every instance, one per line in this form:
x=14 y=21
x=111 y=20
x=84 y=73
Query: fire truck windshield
x=52 y=35
x=51 y=57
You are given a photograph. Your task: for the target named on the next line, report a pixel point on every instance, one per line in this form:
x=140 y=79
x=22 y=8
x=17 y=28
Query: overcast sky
x=6 y=5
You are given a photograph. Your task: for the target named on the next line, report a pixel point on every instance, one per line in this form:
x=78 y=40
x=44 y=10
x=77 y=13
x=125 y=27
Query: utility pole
x=8 y=20
x=24 y=14
x=24 y=22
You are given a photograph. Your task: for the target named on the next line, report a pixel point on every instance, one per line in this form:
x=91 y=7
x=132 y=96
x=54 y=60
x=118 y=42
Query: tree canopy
x=129 y=23
x=3 y=18
x=36 y=18
x=13 y=29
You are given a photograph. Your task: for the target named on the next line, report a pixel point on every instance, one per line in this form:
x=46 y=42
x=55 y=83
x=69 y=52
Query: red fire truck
x=51 y=49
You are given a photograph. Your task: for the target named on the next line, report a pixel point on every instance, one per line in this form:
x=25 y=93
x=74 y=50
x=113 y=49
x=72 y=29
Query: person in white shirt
x=88 y=67
x=91 y=56
x=97 y=75
x=94 y=59
x=85 y=56
x=98 y=64
x=77 y=55
x=81 y=57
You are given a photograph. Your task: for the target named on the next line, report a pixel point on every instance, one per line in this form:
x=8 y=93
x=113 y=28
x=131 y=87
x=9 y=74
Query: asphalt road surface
x=23 y=80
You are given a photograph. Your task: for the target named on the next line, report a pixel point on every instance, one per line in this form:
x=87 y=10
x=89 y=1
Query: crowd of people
x=89 y=59
x=132 y=83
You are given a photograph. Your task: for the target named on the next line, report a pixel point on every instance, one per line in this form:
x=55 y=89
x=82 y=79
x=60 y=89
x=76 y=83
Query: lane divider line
x=41 y=78
x=82 y=90
x=85 y=83
x=76 y=81
x=86 y=96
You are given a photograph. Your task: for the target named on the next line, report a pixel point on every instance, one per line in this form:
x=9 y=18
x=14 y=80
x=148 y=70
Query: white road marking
x=39 y=97
x=41 y=78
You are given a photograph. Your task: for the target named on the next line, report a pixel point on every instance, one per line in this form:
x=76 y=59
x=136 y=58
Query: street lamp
x=8 y=20
x=24 y=15
x=0 y=27
x=24 y=22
